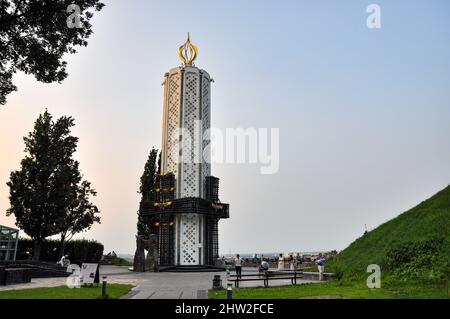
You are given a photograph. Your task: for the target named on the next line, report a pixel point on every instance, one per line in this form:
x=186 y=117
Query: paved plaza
x=163 y=285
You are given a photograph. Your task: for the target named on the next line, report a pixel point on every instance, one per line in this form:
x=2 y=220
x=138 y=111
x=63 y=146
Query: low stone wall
x=315 y=276
x=38 y=269
x=10 y=276
x=273 y=265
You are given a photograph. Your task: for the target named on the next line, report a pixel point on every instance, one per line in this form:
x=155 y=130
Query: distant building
x=9 y=238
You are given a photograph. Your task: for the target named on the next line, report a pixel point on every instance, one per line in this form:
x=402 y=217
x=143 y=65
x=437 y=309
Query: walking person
x=238 y=266
x=320 y=261
x=292 y=265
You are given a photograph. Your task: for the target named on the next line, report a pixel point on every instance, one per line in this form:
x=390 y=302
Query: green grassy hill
x=414 y=244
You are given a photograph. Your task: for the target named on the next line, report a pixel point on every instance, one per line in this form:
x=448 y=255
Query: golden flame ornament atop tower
x=188 y=52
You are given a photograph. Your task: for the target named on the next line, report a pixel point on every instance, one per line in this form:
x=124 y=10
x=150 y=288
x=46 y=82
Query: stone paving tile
x=202 y=294
x=37 y=283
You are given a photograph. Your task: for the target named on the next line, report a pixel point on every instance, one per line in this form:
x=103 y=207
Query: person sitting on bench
x=264 y=266
x=63 y=262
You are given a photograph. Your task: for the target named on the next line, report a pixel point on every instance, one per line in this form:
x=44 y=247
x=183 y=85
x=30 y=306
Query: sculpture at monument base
x=152 y=254
x=139 y=255
x=142 y=263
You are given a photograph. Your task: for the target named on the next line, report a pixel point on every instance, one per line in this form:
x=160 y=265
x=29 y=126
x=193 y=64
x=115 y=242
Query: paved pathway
x=163 y=285
x=171 y=285
x=174 y=285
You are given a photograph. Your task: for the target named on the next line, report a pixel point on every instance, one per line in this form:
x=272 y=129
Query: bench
x=266 y=276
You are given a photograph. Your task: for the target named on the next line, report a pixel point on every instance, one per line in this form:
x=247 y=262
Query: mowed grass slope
x=430 y=219
x=412 y=249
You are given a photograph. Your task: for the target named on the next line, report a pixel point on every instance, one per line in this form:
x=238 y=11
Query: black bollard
x=104 y=291
x=217 y=282
x=229 y=291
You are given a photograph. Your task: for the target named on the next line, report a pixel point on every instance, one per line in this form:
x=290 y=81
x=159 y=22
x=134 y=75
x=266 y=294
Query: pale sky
x=364 y=114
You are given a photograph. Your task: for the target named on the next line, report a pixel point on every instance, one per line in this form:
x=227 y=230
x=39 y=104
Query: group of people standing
x=291 y=260
x=264 y=264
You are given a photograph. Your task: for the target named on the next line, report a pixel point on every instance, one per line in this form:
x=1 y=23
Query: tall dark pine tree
x=48 y=188
x=35 y=35
x=146 y=188
x=159 y=163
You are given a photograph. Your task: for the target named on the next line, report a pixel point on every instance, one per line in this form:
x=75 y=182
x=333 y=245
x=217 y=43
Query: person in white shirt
x=238 y=266
x=63 y=261
x=281 y=262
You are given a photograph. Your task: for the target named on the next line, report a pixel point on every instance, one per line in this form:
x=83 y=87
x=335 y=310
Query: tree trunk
x=63 y=246
x=37 y=249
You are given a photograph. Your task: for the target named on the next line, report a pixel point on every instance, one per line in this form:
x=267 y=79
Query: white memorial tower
x=187 y=105
x=184 y=209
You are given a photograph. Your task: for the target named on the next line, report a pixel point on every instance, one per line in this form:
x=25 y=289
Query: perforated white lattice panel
x=206 y=124
x=189 y=239
x=190 y=184
x=173 y=123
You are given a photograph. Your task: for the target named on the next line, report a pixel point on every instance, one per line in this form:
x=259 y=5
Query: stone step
x=190 y=268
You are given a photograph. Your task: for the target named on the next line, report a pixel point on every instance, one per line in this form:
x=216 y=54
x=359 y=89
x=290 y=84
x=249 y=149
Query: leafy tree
x=47 y=193
x=80 y=215
x=35 y=34
x=146 y=188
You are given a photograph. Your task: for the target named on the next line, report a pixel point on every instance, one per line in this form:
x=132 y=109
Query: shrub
x=336 y=267
x=408 y=252
x=117 y=261
x=419 y=260
x=79 y=251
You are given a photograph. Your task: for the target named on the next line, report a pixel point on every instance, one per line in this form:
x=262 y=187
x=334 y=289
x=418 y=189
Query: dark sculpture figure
x=139 y=255
x=141 y=263
x=152 y=254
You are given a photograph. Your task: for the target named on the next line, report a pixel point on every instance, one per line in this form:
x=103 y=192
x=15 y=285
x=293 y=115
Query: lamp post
x=229 y=291
x=104 y=290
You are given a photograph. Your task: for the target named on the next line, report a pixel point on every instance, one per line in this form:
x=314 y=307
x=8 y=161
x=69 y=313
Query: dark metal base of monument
x=191 y=268
x=162 y=212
